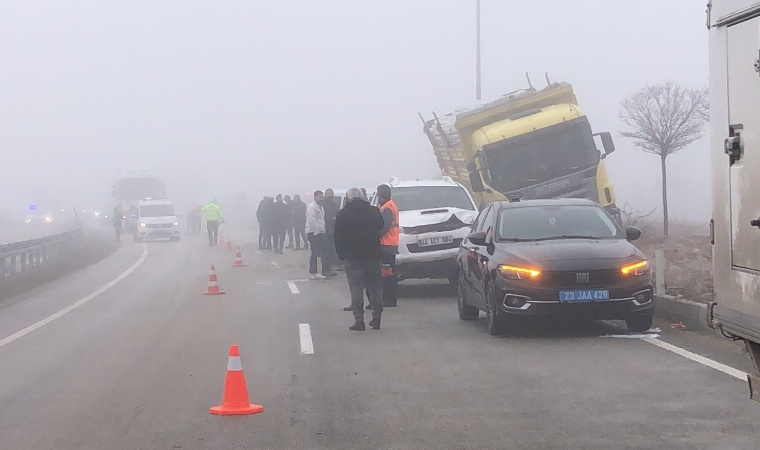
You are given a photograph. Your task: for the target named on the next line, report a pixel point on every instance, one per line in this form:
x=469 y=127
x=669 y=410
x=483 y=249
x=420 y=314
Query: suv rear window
x=411 y=198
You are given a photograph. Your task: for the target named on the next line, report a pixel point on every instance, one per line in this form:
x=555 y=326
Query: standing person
x=118 y=218
x=299 y=222
x=357 y=243
x=389 y=241
x=213 y=213
x=261 y=218
x=279 y=221
x=331 y=212
x=289 y=222
x=316 y=230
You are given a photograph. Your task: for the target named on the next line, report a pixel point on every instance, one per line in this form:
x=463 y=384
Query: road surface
x=128 y=354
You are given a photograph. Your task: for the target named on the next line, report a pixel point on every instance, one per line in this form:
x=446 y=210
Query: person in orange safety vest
x=389 y=241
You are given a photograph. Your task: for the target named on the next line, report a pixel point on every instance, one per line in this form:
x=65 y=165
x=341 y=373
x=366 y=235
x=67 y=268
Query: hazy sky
x=289 y=96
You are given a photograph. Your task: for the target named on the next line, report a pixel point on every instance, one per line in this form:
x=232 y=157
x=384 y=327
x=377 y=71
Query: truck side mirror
x=607 y=143
x=475 y=180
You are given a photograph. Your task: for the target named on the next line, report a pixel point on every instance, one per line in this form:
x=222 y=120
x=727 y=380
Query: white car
x=156 y=219
x=434 y=217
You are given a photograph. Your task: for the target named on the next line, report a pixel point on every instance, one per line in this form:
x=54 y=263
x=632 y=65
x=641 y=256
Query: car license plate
x=594 y=295
x=430 y=241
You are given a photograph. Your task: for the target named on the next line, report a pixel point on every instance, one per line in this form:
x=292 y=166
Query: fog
x=291 y=96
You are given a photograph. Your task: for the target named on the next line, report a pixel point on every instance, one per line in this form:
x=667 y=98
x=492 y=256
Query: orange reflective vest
x=391 y=236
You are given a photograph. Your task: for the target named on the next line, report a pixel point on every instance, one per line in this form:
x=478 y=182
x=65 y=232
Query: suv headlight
x=142 y=225
x=176 y=224
x=639 y=268
x=519 y=273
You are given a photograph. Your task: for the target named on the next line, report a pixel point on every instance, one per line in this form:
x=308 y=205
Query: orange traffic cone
x=235 y=397
x=229 y=245
x=238 y=259
x=213 y=285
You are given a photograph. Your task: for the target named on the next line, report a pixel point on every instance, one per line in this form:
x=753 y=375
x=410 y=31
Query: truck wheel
x=639 y=322
x=495 y=323
x=466 y=312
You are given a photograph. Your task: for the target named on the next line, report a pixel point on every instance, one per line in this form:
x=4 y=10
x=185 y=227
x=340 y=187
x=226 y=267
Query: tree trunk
x=664 y=196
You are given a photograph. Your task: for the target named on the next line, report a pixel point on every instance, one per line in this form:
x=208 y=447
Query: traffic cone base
x=218 y=292
x=236 y=410
x=238 y=259
x=213 y=285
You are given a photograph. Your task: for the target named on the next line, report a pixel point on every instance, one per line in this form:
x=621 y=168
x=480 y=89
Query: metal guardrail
x=19 y=257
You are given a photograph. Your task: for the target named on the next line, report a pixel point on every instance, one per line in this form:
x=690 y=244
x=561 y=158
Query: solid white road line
x=697 y=358
x=307 y=346
x=77 y=304
x=293 y=288
x=276 y=265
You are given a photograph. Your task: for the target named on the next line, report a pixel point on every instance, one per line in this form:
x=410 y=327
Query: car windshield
x=413 y=198
x=156 y=210
x=541 y=156
x=556 y=222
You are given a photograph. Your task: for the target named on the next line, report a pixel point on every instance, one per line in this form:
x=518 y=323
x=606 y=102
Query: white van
x=156 y=219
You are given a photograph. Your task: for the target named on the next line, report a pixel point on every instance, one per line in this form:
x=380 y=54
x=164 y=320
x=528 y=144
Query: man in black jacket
x=357 y=243
x=299 y=222
x=280 y=219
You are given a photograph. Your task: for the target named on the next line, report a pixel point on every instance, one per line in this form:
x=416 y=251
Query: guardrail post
x=659 y=277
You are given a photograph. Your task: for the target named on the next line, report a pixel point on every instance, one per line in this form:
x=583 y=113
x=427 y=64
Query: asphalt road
x=138 y=366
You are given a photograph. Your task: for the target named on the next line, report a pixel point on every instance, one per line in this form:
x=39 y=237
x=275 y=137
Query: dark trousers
x=300 y=233
x=212 y=227
x=278 y=239
x=117 y=229
x=289 y=230
x=265 y=237
x=330 y=253
x=390 y=280
x=318 y=243
x=364 y=275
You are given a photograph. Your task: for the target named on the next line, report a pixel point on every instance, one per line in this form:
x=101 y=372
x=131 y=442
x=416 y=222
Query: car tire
x=466 y=312
x=639 y=322
x=494 y=322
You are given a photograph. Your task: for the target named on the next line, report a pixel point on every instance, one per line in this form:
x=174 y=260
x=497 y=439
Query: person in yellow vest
x=389 y=241
x=213 y=214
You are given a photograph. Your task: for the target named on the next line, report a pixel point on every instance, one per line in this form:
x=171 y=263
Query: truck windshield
x=541 y=156
x=535 y=223
x=138 y=189
x=156 y=210
x=413 y=198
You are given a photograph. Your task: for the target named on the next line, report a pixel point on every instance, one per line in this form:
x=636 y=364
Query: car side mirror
x=477 y=238
x=632 y=233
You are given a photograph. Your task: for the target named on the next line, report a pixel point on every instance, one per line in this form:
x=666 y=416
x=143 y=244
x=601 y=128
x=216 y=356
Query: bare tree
x=633 y=217
x=663 y=119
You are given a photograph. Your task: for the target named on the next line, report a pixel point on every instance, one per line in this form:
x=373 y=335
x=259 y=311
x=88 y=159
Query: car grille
x=450 y=225
x=158 y=225
x=413 y=248
x=568 y=279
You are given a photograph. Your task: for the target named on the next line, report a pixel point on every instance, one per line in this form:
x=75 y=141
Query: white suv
x=156 y=219
x=435 y=216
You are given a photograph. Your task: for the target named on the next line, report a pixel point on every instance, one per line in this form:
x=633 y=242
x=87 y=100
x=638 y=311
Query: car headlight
x=176 y=224
x=28 y=220
x=639 y=268
x=142 y=225
x=519 y=273
x=48 y=219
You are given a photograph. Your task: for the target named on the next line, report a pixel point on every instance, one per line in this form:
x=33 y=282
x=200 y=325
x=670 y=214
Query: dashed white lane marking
x=281 y=281
x=293 y=288
x=697 y=358
x=259 y=252
x=307 y=346
x=35 y=326
x=276 y=264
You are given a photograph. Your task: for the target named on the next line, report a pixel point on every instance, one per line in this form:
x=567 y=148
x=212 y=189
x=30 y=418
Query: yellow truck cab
x=529 y=144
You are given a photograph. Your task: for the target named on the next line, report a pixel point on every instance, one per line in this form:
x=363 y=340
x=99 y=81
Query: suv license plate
x=439 y=240
x=594 y=295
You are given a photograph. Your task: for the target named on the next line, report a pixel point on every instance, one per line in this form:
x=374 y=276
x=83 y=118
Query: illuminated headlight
x=142 y=225
x=28 y=220
x=519 y=273
x=176 y=224
x=48 y=219
x=97 y=213
x=639 y=268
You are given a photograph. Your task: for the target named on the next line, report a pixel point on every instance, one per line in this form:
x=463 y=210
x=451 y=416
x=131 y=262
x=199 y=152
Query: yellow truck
x=527 y=144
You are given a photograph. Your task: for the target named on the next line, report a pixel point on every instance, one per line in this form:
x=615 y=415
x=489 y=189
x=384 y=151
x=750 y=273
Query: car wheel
x=466 y=312
x=495 y=323
x=639 y=322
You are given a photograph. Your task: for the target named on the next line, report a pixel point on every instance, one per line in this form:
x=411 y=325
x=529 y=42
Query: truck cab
x=734 y=43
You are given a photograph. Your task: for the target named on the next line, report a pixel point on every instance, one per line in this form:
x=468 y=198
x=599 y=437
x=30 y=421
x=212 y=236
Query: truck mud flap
x=754 y=387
